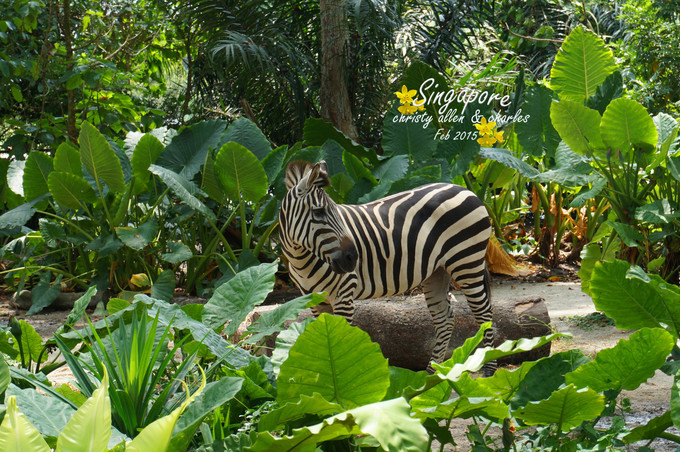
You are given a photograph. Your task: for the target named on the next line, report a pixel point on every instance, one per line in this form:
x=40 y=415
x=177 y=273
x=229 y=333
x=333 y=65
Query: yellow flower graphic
x=422 y=104
x=498 y=135
x=405 y=96
x=407 y=109
x=485 y=128
x=486 y=141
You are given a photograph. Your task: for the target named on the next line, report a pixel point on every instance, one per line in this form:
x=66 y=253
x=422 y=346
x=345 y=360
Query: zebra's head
x=309 y=219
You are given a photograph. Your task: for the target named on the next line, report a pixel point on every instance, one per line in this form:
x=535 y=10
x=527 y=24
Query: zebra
x=424 y=236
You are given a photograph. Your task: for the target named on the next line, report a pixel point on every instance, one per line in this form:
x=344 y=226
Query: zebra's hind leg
x=478 y=294
x=436 y=289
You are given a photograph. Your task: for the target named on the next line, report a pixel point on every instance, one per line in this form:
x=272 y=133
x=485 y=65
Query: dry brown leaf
x=498 y=261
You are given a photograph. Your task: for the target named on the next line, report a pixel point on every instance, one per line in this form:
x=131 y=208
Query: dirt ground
x=563 y=299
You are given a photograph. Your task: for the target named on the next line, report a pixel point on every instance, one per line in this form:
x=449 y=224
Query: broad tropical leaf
x=17 y=434
x=183 y=188
x=138 y=238
x=38 y=167
x=244 y=132
x=187 y=151
x=240 y=173
x=317 y=132
x=407 y=138
x=389 y=422
x=146 y=153
x=581 y=65
x=507 y=158
x=567 y=408
x=633 y=298
x=336 y=360
x=216 y=394
x=577 y=125
x=45 y=292
x=537 y=135
x=233 y=300
x=626 y=123
x=291 y=411
x=90 y=427
x=70 y=190
x=67 y=159
x=177 y=252
x=627 y=365
x=99 y=158
x=273 y=321
x=48 y=414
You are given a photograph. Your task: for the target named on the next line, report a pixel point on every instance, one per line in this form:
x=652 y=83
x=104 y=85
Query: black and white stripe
x=421 y=237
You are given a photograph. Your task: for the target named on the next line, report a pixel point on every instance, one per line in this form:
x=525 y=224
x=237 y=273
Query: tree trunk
x=335 y=103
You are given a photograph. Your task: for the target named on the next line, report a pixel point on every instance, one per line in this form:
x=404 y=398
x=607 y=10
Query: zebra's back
x=402 y=239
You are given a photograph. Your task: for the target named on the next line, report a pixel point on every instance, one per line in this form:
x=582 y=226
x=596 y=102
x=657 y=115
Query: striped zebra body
x=421 y=237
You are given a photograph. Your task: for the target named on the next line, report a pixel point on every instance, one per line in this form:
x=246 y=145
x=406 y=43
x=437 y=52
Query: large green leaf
x=356 y=169
x=18 y=216
x=138 y=238
x=172 y=314
x=38 y=167
x=507 y=158
x=407 y=138
x=15 y=176
x=537 y=135
x=67 y=159
x=5 y=378
x=99 y=158
x=285 y=341
x=336 y=360
x=177 y=252
x=292 y=411
x=467 y=407
x=78 y=311
x=70 y=190
x=90 y=427
x=163 y=287
x=389 y=422
x=452 y=371
x=634 y=299
x=392 y=169
x=317 y=131
x=657 y=212
x=567 y=408
x=48 y=414
x=183 y=188
x=17 y=434
x=44 y=293
x=627 y=365
x=650 y=430
x=233 y=300
x=240 y=171
x=216 y=394
x=31 y=343
x=244 y=132
x=581 y=65
x=667 y=131
x=626 y=123
x=273 y=321
x=578 y=126
x=188 y=150
x=418 y=72
x=146 y=153
x=547 y=376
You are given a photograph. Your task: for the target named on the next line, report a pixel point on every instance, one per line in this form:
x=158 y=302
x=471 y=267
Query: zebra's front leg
x=436 y=289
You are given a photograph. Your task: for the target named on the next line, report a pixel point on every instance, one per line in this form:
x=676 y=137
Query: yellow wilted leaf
x=140 y=280
x=498 y=261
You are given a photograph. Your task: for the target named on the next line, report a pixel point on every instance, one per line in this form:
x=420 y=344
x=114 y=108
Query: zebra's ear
x=319 y=176
x=295 y=172
x=306 y=175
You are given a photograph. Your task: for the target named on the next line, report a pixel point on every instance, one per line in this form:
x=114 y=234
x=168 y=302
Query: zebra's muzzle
x=344 y=259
